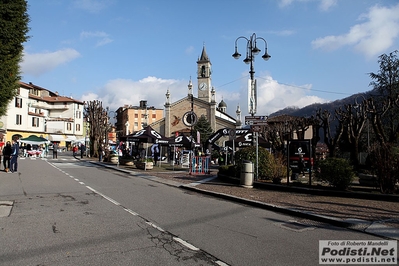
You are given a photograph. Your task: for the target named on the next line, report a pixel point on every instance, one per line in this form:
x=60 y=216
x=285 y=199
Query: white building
x=38 y=111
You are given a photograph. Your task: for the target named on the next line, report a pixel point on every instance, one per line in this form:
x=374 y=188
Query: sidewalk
x=374 y=217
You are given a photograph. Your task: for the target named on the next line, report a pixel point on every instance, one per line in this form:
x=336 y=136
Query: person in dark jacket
x=55 y=150
x=7 y=156
x=14 y=156
x=82 y=150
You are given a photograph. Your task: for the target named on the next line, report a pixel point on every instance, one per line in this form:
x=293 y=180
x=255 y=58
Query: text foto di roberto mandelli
x=355 y=251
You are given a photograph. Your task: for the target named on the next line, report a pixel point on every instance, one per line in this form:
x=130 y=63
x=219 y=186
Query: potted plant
x=145 y=164
x=113 y=158
x=126 y=160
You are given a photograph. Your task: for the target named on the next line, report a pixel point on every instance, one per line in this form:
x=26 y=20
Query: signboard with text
x=259 y=120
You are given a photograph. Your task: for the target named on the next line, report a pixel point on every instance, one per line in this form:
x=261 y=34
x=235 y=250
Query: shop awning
x=56 y=138
x=70 y=138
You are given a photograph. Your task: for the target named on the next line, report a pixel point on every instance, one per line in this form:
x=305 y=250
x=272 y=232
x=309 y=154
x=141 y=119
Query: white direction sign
x=256 y=120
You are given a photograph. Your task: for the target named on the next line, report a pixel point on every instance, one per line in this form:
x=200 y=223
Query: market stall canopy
x=183 y=141
x=148 y=135
x=34 y=140
x=246 y=140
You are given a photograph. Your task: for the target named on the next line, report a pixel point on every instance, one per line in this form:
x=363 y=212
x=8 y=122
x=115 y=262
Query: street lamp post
x=252 y=51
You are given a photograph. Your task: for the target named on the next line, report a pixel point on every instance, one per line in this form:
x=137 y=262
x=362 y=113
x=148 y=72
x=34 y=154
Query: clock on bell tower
x=204 y=76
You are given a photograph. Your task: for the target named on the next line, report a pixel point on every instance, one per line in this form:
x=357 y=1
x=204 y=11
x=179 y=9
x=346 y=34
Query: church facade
x=181 y=116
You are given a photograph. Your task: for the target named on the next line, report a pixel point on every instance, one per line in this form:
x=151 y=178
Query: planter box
x=114 y=159
x=128 y=162
x=144 y=165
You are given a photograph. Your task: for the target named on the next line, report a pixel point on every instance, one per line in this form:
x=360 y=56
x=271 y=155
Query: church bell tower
x=204 y=76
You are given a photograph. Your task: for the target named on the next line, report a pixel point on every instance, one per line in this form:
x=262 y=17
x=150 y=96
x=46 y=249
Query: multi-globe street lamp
x=252 y=50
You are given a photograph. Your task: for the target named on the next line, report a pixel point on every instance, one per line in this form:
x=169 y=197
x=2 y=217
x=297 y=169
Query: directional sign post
x=255 y=122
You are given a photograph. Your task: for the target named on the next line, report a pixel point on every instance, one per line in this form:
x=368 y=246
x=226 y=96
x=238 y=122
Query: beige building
x=41 y=112
x=133 y=118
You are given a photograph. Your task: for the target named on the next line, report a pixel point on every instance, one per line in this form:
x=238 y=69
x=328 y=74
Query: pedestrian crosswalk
x=49 y=159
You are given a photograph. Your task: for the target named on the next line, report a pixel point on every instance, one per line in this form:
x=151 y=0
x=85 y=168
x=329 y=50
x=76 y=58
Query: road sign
x=259 y=123
x=256 y=118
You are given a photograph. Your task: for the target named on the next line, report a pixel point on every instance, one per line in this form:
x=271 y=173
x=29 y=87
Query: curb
x=371 y=228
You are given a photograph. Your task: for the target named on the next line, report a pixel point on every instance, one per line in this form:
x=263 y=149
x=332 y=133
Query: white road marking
x=184 y=243
x=177 y=239
x=155 y=226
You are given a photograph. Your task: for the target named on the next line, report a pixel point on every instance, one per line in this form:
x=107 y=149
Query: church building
x=181 y=116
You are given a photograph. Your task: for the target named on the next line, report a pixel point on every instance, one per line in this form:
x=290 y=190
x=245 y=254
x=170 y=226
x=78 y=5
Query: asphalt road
x=68 y=212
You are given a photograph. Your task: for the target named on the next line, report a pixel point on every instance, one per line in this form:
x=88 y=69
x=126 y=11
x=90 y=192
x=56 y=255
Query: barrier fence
x=200 y=165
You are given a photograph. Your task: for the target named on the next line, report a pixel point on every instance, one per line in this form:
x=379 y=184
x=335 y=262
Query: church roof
x=222 y=104
x=204 y=55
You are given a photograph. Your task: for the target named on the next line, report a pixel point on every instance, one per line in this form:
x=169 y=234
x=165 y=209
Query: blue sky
x=124 y=51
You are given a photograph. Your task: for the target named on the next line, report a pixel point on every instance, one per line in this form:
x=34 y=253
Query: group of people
x=76 y=148
x=10 y=156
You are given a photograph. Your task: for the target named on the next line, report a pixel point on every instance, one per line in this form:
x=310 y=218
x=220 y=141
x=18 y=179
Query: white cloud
x=92 y=6
x=272 y=96
x=324 y=5
x=118 y=92
x=40 y=63
x=102 y=36
x=372 y=37
x=189 y=50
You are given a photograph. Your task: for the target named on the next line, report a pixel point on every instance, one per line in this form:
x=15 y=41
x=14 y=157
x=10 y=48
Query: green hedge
x=336 y=171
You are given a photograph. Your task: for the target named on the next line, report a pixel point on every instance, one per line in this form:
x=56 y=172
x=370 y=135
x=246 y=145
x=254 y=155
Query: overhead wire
x=289 y=85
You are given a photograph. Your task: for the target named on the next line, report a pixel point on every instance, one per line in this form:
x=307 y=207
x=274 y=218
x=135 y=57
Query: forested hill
x=311 y=110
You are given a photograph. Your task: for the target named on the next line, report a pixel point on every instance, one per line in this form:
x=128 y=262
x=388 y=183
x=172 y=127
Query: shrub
x=384 y=160
x=336 y=171
x=278 y=168
x=266 y=161
x=228 y=170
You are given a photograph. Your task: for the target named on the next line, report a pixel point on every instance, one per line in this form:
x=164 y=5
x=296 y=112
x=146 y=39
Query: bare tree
x=353 y=119
x=330 y=139
x=97 y=118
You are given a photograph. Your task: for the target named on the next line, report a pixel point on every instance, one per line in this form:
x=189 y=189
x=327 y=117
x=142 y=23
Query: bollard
x=247 y=174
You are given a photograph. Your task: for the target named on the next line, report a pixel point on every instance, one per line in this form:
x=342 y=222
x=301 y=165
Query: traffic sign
x=259 y=123
x=256 y=118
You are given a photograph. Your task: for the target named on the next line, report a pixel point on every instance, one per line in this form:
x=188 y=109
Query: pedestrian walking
x=100 y=152
x=14 y=156
x=55 y=150
x=75 y=150
x=7 y=150
x=82 y=150
x=155 y=153
x=302 y=165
